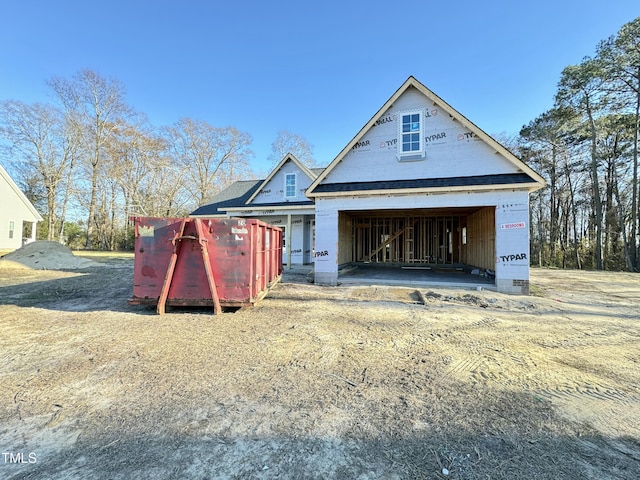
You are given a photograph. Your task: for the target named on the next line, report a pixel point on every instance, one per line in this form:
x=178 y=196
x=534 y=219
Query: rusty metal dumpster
x=218 y=262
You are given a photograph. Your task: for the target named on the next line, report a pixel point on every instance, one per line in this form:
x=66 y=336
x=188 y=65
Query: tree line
x=90 y=157
x=586 y=147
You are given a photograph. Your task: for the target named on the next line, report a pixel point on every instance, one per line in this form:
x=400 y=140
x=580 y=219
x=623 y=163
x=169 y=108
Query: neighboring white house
x=16 y=212
x=421 y=184
x=418 y=186
x=279 y=200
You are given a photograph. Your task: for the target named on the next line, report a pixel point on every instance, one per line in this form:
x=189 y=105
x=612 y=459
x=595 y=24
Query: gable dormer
x=418 y=142
x=286 y=183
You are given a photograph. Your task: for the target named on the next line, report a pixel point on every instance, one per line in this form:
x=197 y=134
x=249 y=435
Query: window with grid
x=290 y=185
x=411 y=135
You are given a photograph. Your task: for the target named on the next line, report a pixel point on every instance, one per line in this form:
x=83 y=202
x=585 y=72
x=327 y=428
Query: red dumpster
x=218 y=262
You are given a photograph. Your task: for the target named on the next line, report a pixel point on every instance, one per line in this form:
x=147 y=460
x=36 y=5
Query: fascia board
x=433 y=190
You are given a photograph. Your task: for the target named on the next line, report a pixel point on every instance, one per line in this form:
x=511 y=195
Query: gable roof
x=289 y=157
x=535 y=180
x=19 y=194
x=234 y=195
x=239 y=194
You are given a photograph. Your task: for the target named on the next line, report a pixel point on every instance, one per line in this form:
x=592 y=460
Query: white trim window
x=411 y=135
x=290 y=185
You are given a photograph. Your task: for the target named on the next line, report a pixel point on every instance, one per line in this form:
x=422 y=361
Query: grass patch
x=104 y=256
x=536 y=291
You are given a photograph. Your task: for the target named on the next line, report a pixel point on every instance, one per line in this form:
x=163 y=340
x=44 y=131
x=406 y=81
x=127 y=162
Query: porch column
x=326 y=250
x=288 y=241
x=512 y=246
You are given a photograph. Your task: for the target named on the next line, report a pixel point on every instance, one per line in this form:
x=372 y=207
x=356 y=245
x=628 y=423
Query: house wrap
x=418 y=185
x=421 y=184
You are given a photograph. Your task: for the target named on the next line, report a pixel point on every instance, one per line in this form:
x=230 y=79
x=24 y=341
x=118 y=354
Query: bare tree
x=45 y=146
x=210 y=157
x=98 y=105
x=545 y=147
x=135 y=154
x=161 y=191
x=287 y=142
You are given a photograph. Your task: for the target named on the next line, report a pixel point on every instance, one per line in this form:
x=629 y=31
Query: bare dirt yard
x=358 y=382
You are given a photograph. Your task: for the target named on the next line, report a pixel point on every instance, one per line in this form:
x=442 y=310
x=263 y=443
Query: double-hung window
x=411 y=133
x=290 y=185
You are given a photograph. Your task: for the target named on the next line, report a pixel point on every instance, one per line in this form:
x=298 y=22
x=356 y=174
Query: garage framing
x=448 y=236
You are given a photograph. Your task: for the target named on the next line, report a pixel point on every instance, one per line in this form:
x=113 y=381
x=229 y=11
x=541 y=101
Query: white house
x=421 y=184
x=279 y=200
x=16 y=213
x=418 y=186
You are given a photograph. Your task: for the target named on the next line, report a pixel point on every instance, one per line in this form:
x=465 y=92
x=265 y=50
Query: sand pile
x=45 y=256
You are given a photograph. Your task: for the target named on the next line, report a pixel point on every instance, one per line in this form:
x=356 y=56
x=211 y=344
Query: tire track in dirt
x=462 y=367
x=605 y=407
x=571 y=376
x=522 y=360
x=478 y=361
x=485 y=322
x=596 y=391
x=588 y=339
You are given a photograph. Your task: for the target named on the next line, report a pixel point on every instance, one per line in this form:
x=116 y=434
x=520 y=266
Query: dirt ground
x=358 y=382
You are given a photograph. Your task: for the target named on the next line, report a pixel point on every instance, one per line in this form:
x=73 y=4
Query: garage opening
x=434 y=237
x=408 y=240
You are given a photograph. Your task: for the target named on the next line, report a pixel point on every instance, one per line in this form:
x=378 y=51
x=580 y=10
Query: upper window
x=411 y=132
x=11 y=229
x=290 y=185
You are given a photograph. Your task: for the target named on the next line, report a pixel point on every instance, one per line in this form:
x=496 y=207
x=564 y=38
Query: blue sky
x=318 y=69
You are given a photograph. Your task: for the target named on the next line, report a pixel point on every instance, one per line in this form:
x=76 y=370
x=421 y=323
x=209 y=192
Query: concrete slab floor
x=447 y=276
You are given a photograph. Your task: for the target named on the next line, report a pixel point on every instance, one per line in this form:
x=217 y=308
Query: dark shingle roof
x=499 y=179
x=281 y=204
x=235 y=195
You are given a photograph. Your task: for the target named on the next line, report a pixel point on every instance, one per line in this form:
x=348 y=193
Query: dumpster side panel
x=243 y=256
x=230 y=254
x=275 y=250
x=153 y=250
x=260 y=280
x=189 y=281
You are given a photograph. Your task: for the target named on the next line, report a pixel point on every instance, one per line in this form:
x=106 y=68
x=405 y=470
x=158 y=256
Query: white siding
x=12 y=209
x=298 y=239
x=451 y=150
x=309 y=234
x=512 y=237
x=326 y=252
x=512 y=243
x=273 y=191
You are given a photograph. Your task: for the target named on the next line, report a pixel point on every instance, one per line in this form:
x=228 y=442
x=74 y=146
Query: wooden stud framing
x=424 y=239
x=433 y=240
